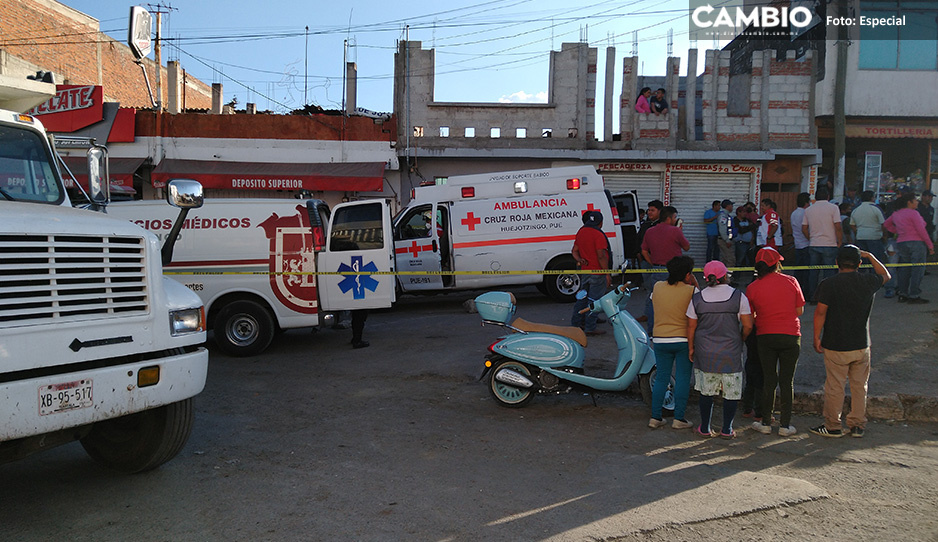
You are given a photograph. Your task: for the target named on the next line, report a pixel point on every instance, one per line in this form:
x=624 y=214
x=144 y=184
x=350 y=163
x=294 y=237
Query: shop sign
x=72 y=108
x=891 y=131
x=872 y=171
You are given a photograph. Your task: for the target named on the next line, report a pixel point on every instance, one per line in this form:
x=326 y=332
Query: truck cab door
x=418 y=246
x=358 y=245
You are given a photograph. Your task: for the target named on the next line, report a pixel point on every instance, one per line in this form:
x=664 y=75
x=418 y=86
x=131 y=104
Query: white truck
x=95 y=344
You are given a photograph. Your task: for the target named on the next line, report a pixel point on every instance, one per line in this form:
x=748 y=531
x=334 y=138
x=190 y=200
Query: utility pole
x=840 y=119
x=159 y=10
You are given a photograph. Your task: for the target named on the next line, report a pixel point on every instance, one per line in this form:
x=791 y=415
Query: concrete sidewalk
x=904 y=379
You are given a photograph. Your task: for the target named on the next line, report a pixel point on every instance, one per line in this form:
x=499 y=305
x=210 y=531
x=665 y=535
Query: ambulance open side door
x=418 y=247
x=359 y=243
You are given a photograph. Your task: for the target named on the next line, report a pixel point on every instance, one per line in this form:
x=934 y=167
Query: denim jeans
x=713 y=248
x=910 y=277
x=820 y=256
x=742 y=254
x=595 y=286
x=650 y=282
x=668 y=356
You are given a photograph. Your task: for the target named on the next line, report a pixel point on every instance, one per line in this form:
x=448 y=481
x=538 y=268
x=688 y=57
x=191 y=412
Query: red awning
x=342 y=176
x=121 y=170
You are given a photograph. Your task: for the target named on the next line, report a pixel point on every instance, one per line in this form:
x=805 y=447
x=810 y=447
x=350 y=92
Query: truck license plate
x=56 y=398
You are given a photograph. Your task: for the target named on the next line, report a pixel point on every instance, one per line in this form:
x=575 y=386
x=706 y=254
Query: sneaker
x=825 y=432
x=901 y=298
x=890 y=294
x=764 y=429
x=917 y=301
x=787 y=431
x=360 y=344
x=655 y=423
x=681 y=424
x=771 y=421
x=856 y=432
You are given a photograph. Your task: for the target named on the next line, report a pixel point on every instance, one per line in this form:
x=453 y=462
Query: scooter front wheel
x=647 y=382
x=506 y=394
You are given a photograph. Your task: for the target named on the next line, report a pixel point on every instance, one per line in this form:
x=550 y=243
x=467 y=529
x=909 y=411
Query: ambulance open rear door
x=359 y=248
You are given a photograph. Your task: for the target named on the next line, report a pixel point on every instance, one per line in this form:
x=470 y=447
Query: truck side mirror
x=98 y=179
x=185 y=194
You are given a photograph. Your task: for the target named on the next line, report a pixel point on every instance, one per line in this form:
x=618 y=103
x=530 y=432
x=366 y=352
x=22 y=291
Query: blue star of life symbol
x=358 y=283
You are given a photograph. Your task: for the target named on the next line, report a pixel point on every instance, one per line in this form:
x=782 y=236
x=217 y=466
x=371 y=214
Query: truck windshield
x=26 y=168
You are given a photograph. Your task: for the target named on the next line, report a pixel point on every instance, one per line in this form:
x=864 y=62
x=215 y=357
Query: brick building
x=740 y=140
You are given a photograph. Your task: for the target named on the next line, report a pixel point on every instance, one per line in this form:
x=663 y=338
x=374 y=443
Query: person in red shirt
x=660 y=244
x=777 y=302
x=591 y=251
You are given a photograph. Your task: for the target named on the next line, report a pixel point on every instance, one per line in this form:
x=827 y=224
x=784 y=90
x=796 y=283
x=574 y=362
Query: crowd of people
x=743 y=341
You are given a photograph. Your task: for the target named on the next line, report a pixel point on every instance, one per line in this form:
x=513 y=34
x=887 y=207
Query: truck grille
x=68 y=278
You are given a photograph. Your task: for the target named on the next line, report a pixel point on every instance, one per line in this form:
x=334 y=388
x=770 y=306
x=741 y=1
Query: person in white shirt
x=825 y=232
x=802 y=254
x=866 y=221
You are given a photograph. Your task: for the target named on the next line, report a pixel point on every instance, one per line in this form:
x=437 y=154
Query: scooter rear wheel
x=647 y=381
x=505 y=394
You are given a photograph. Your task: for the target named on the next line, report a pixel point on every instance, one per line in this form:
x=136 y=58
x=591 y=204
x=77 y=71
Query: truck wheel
x=243 y=328
x=142 y=441
x=562 y=288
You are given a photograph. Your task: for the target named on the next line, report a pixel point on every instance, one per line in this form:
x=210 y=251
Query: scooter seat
x=570 y=332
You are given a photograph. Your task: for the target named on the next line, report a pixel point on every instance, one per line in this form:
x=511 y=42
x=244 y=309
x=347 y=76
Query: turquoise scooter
x=548 y=359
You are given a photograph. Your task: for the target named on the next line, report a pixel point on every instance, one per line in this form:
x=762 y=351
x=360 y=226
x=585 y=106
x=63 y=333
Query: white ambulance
x=474 y=231
x=251 y=261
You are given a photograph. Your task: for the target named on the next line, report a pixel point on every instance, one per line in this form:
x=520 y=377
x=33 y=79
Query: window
x=470 y=132
x=495 y=133
x=521 y=133
x=358 y=227
x=418 y=131
x=913 y=46
x=444 y=131
x=440 y=180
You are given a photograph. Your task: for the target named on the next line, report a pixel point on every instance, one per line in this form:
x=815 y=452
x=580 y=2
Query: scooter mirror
x=581 y=295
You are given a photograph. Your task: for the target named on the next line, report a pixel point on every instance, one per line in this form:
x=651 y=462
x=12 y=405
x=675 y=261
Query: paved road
x=316 y=441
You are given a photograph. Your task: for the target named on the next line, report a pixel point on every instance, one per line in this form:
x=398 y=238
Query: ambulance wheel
x=505 y=394
x=646 y=383
x=243 y=328
x=142 y=441
x=562 y=288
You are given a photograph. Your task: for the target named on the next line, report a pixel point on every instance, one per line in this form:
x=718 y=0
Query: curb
x=912 y=408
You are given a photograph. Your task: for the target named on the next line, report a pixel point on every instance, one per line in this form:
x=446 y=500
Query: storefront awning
x=342 y=177
x=120 y=170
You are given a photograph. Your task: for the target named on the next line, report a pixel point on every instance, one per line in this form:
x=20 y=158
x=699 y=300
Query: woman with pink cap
x=715 y=342
x=777 y=302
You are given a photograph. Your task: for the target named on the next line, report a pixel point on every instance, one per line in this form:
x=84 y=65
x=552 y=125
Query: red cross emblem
x=589 y=207
x=471 y=221
x=415 y=249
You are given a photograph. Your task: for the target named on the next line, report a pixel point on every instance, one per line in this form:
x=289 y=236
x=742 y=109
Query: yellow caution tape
x=500 y=273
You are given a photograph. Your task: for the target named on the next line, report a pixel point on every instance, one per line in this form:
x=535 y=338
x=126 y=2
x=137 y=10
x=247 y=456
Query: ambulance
x=251 y=261
x=472 y=232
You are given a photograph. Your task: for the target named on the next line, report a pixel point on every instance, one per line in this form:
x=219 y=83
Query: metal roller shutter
x=693 y=193
x=647 y=186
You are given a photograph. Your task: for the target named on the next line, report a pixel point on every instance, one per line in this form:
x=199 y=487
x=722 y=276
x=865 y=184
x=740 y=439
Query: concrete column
x=250 y=109
x=608 y=95
x=766 y=63
x=217 y=98
x=174 y=86
x=673 y=83
x=351 y=87
x=690 y=97
x=627 y=98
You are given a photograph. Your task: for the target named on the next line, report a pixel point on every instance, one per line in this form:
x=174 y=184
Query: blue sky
x=486 y=50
